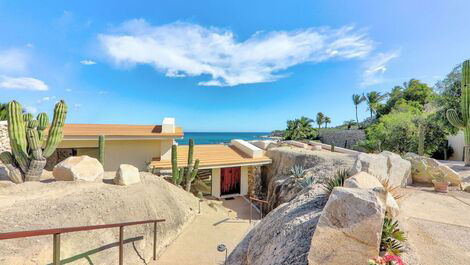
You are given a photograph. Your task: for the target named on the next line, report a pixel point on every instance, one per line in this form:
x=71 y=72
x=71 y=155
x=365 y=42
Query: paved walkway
x=221 y=222
x=437 y=225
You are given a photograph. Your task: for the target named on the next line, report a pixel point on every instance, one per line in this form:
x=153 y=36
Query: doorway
x=230 y=180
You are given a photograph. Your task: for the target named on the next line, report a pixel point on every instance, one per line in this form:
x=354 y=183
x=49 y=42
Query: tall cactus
x=185 y=174
x=464 y=122
x=27 y=158
x=101 y=149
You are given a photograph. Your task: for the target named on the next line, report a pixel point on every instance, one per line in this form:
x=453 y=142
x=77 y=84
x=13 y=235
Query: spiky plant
x=336 y=181
x=390 y=189
x=464 y=122
x=306 y=182
x=27 y=158
x=392 y=237
x=186 y=174
x=298 y=171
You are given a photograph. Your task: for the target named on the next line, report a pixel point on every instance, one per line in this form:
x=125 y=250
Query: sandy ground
x=437 y=225
x=220 y=222
x=52 y=204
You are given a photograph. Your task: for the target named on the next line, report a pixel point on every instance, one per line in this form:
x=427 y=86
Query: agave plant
x=393 y=190
x=306 y=182
x=392 y=237
x=336 y=181
x=298 y=171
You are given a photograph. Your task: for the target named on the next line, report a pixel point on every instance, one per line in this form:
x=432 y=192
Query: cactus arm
x=101 y=149
x=15 y=174
x=43 y=120
x=465 y=98
x=17 y=135
x=27 y=117
x=56 y=132
x=454 y=119
x=174 y=164
x=32 y=137
x=190 y=160
x=192 y=175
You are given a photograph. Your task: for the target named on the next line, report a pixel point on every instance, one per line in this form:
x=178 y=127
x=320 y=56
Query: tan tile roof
x=117 y=130
x=214 y=155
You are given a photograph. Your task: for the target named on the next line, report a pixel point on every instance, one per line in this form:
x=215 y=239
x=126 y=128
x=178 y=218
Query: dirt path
x=220 y=222
x=437 y=225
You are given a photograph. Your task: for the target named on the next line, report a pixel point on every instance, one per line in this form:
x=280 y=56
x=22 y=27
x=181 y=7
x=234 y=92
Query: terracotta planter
x=441 y=186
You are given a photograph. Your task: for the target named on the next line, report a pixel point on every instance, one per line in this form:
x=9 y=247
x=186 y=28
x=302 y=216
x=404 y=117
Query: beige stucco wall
x=457 y=143
x=165 y=149
x=216 y=181
x=134 y=152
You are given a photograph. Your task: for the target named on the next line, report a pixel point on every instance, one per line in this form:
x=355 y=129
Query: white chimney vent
x=168 y=125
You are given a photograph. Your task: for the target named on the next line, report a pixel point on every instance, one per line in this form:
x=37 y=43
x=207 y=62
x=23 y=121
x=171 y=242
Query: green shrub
x=298 y=171
x=392 y=237
x=336 y=181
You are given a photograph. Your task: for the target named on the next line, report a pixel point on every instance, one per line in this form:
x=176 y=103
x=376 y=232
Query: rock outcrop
x=127 y=175
x=78 y=168
x=263 y=144
x=283 y=236
x=386 y=165
x=423 y=168
x=37 y=205
x=282 y=186
x=350 y=227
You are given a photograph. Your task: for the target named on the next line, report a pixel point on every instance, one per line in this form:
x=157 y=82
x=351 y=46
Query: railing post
x=261 y=210
x=56 y=249
x=155 y=241
x=251 y=209
x=121 y=245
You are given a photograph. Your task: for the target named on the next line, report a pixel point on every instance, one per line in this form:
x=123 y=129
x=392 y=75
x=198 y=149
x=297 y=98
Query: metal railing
x=261 y=202
x=56 y=232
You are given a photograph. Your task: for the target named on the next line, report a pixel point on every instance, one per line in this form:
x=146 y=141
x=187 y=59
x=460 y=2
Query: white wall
x=216 y=182
x=244 y=181
x=457 y=143
x=165 y=149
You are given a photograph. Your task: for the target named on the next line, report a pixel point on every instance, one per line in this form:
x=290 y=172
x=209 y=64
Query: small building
x=124 y=144
x=226 y=169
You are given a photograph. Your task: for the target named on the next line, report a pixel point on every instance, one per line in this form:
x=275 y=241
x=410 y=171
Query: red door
x=230 y=180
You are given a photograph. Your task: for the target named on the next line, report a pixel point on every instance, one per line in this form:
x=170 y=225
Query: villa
x=224 y=168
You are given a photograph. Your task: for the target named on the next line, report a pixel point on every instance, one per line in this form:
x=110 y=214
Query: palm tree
x=358 y=99
x=299 y=129
x=3 y=112
x=327 y=120
x=373 y=100
x=320 y=120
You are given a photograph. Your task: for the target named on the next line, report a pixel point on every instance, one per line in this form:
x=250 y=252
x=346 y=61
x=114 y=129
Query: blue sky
x=221 y=65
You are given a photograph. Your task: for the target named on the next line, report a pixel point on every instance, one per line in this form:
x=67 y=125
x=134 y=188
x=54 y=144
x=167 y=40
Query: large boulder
x=363 y=180
x=423 y=168
x=283 y=236
x=82 y=168
x=127 y=175
x=350 y=227
x=386 y=165
x=282 y=185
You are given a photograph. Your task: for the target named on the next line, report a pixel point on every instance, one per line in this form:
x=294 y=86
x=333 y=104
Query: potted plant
x=440 y=181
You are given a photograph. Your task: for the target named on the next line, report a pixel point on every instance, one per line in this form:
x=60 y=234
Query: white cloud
x=13 y=60
x=87 y=62
x=77 y=106
x=45 y=99
x=375 y=67
x=184 y=49
x=22 y=83
x=31 y=109
x=68 y=90
x=102 y=92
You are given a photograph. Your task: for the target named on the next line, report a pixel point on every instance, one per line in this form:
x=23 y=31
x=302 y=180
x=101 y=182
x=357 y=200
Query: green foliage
x=336 y=181
x=392 y=237
x=357 y=100
x=27 y=158
x=300 y=129
x=332 y=147
x=298 y=171
x=3 y=112
x=327 y=120
x=374 y=100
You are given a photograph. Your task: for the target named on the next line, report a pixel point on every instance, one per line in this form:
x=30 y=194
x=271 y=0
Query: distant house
x=124 y=144
x=225 y=169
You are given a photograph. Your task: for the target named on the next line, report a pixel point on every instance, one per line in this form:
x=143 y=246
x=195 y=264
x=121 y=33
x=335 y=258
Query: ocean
x=220 y=137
